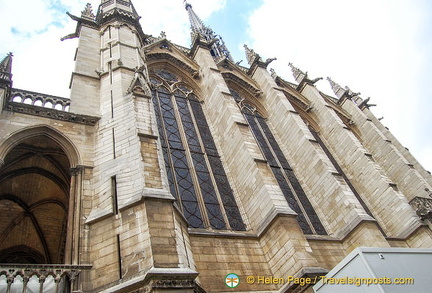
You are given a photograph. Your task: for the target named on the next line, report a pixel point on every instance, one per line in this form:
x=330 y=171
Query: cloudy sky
x=381 y=48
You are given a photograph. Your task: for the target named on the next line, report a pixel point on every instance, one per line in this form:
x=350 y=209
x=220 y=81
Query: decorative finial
x=297 y=73
x=351 y=93
x=273 y=73
x=88 y=12
x=187 y=4
x=250 y=54
x=337 y=89
x=6 y=71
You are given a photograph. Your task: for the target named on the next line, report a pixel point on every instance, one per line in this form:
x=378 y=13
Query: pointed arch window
x=282 y=171
x=195 y=173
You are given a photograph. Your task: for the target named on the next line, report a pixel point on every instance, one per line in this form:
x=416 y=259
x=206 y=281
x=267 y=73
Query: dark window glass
x=284 y=175
x=194 y=169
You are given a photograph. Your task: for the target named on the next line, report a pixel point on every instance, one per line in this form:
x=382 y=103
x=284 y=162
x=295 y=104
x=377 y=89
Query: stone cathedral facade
x=171 y=167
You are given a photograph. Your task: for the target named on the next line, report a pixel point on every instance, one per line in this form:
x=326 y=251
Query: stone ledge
x=147 y=193
x=271 y=216
x=51 y=113
x=307 y=272
x=97 y=215
x=344 y=232
x=164 y=278
x=222 y=234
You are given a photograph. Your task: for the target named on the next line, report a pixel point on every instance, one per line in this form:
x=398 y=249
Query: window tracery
x=282 y=171
x=194 y=169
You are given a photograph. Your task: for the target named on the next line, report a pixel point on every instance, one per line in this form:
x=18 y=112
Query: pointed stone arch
x=65 y=143
x=183 y=77
x=37 y=183
x=249 y=99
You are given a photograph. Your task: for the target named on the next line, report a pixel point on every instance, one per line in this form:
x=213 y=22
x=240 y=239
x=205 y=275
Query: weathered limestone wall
x=422 y=238
x=333 y=201
x=259 y=195
x=85 y=80
x=365 y=174
x=3 y=93
x=286 y=249
x=282 y=246
x=120 y=247
x=330 y=251
x=143 y=233
x=397 y=162
x=80 y=135
x=216 y=257
x=118 y=147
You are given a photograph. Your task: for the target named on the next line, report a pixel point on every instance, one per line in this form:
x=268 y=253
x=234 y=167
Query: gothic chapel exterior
x=171 y=167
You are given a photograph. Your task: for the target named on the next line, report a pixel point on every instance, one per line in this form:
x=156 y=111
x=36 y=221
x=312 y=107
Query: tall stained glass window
x=282 y=171
x=195 y=173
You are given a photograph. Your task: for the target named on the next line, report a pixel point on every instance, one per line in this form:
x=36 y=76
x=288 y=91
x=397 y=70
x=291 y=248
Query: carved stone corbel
x=423 y=207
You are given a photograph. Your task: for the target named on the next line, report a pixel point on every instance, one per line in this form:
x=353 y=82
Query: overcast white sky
x=381 y=48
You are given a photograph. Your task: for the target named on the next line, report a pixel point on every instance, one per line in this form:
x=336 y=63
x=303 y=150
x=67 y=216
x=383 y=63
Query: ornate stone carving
x=199 y=30
x=88 y=12
x=6 y=71
x=174 y=60
x=337 y=89
x=273 y=73
x=43 y=105
x=140 y=83
x=364 y=103
x=250 y=54
x=39 y=100
x=423 y=207
x=251 y=88
x=41 y=271
x=302 y=77
x=255 y=59
x=172 y=284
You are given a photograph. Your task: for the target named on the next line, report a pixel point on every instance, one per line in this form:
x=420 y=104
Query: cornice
x=51 y=113
x=166 y=56
x=229 y=76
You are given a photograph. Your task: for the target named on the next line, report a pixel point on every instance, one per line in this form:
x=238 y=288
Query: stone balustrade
x=18 y=278
x=40 y=100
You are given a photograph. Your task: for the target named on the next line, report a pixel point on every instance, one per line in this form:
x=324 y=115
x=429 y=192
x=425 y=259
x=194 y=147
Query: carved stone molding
x=51 y=113
x=174 y=60
x=228 y=76
x=302 y=77
x=39 y=100
x=42 y=271
x=423 y=207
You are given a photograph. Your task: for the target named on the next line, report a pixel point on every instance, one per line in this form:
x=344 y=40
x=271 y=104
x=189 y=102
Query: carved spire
x=251 y=56
x=218 y=48
x=255 y=59
x=347 y=93
x=6 y=71
x=299 y=75
x=197 y=25
x=337 y=89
